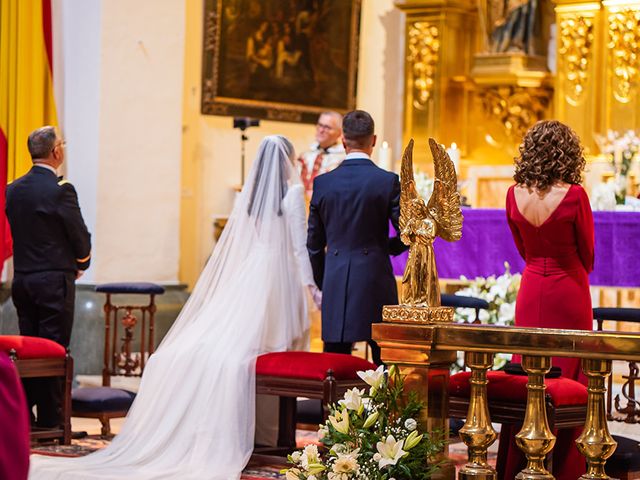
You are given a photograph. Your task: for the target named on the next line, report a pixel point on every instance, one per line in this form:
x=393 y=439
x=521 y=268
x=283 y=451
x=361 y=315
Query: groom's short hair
x=357 y=128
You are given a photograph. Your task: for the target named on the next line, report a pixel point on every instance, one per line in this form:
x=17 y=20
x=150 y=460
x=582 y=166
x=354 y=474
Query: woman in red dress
x=552 y=225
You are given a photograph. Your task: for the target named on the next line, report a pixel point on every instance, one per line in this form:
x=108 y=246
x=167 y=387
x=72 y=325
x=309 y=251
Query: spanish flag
x=26 y=90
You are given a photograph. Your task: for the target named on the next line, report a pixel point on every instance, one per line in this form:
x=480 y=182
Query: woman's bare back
x=537 y=206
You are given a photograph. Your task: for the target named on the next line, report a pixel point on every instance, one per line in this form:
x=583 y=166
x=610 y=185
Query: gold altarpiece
x=456 y=91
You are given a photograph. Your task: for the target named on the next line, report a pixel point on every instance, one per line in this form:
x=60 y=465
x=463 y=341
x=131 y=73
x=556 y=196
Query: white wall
x=140 y=140
x=122 y=102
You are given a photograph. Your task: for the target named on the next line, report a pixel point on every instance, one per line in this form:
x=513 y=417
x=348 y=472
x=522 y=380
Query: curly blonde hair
x=550 y=152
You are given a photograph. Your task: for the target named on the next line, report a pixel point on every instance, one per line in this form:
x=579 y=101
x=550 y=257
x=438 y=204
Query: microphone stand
x=243 y=140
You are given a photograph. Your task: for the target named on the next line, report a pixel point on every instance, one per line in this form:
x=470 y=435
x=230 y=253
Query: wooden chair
x=289 y=375
x=40 y=357
x=120 y=355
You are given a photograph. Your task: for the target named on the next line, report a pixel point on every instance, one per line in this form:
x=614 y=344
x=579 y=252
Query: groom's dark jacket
x=349 y=246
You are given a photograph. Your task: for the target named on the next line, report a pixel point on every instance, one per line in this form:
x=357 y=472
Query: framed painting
x=286 y=60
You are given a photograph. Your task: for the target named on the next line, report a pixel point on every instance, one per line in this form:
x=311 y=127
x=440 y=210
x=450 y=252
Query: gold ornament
x=421 y=223
x=517 y=108
x=575 y=50
x=424 y=45
x=624 y=52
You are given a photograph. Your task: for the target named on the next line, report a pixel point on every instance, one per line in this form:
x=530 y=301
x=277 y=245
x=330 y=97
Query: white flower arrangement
x=370 y=435
x=603 y=196
x=424 y=184
x=500 y=292
x=621 y=148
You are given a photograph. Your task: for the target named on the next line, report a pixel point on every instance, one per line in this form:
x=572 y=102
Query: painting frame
x=216 y=100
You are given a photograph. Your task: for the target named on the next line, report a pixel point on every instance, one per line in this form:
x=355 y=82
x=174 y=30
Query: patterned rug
x=84 y=446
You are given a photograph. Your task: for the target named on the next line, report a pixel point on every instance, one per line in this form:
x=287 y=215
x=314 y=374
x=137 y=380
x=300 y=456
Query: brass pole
x=478 y=433
x=535 y=439
x=595 y=442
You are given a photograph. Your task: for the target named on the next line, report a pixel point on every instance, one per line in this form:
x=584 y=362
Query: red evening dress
x=554 y=293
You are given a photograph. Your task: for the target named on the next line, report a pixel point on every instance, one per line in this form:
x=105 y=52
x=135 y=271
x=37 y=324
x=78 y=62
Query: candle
x=384 y=156
x=617 y=156
x=454 y=155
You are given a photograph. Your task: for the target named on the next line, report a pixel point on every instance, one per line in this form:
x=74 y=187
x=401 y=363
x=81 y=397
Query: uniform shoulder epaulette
x=64 y=182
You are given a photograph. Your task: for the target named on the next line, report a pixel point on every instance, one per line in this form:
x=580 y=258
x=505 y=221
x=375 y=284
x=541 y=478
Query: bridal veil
x=193 y=417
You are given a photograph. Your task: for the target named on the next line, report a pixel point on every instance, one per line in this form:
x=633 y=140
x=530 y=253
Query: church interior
x=162 y=106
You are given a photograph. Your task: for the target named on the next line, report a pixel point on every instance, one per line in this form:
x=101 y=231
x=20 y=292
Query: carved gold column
x=535 y=439
x=622 y=64
x=595 y=443
x=440 y=38
x=478 y=433
x=598 y=63
x=579 y=68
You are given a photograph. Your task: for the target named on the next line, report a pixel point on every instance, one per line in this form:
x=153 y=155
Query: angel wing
x=412 y=205
x=444 y=204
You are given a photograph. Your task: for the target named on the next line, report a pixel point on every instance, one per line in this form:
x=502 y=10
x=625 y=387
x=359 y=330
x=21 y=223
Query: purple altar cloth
x=487 y=243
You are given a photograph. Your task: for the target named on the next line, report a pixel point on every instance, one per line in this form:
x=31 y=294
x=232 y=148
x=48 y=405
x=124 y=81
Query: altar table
x=487 y=243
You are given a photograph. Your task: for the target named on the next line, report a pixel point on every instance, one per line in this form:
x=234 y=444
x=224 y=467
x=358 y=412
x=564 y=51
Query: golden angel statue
x=421 y=223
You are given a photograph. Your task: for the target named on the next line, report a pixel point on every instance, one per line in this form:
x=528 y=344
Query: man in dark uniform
x=51 y=249
x=348 y=239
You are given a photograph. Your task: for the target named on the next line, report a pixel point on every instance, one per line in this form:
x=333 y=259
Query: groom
x=348 y=240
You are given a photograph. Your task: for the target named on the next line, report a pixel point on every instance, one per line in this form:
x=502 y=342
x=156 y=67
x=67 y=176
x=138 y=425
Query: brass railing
x=424 y=352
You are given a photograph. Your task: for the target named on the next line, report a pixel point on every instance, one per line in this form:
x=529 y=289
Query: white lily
x=390 y=452
x=309 y=456
x=352 y=399
x=373 y=378
x=340 y=421
x=412 y=440
x=371 y=419
x=314 y=468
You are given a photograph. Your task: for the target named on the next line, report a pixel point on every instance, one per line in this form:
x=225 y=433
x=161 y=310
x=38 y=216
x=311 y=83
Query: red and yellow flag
x=26 y=89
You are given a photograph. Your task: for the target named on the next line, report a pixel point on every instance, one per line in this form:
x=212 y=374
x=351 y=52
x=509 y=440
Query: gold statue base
x=417 y=314
x=513 y=69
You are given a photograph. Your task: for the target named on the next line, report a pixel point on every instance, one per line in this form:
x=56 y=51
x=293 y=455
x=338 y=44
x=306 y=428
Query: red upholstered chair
x=325 y=376
x=566 y=399
x=39 y=357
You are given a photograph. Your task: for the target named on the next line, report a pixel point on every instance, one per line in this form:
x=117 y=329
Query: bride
x=193 y=417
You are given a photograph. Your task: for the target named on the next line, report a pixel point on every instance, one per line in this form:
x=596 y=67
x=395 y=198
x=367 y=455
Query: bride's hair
x=275 y=157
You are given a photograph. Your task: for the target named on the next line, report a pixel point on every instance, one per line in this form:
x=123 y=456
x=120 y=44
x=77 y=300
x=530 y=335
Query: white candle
x=454 y=155
x=384 y=156
x=617 y=156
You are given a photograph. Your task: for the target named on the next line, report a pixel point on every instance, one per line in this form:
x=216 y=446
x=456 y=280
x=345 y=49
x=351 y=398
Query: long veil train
x=193 y=417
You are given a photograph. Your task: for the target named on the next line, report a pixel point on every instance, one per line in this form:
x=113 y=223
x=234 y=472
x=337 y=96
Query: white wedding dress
x=193 y=417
